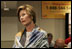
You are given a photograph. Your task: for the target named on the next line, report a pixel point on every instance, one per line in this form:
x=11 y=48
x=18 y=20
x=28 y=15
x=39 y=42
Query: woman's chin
x=24 y=24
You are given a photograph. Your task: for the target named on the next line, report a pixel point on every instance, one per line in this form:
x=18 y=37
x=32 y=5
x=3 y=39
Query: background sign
x=55 y=9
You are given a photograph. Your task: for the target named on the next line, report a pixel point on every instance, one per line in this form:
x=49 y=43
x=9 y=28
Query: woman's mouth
x=22 y=21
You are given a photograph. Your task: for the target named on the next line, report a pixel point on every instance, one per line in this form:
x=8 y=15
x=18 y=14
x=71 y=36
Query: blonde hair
x=29 y=10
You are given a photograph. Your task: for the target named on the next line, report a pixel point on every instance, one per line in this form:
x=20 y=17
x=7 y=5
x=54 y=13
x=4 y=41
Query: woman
x=32 y=36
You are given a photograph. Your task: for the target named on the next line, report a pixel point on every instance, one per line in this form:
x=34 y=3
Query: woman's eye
x=23 y=14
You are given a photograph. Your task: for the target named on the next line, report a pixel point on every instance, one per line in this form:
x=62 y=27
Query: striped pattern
x=37 y=40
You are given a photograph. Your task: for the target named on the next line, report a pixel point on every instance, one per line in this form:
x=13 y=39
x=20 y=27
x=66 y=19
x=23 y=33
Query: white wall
x=54 y=26
x=9 y=28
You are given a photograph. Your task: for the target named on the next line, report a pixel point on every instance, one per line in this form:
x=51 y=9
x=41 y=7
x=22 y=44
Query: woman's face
x=25 y=19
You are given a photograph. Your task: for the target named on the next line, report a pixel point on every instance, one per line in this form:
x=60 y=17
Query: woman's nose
x=21 y=17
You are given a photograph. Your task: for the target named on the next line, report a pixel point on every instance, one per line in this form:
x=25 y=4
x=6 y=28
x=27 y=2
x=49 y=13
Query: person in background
x=59 y=43
x=69 y=38
x=50 y=40
x=69 y=43
x=32 y=36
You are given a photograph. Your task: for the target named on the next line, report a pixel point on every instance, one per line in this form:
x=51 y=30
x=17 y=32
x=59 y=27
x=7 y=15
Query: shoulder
x=42 y=31
x=19 y=33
